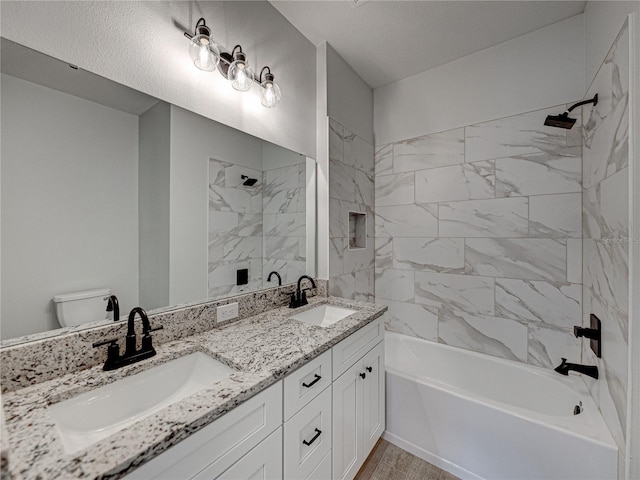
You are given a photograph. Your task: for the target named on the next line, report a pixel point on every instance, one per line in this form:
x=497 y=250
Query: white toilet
x=78 y=308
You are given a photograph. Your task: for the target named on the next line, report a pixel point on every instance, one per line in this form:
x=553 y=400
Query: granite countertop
x=263 y=348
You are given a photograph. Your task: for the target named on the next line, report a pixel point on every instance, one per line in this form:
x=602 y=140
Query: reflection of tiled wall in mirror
x=235 y=228
x=284 y=222
x=260 y=227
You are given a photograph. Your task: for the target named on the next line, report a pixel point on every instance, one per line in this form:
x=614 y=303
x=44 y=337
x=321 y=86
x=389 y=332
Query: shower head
x=560 y=121
x=564 y=120
x=248 y=182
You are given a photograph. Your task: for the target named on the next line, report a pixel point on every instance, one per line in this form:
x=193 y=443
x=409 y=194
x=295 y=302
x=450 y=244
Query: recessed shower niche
x=357 y=230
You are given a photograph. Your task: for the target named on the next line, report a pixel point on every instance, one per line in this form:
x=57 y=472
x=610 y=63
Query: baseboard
x=439 y=462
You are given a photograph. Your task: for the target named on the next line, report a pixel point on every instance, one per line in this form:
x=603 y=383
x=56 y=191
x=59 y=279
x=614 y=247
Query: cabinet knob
x=363 y=375
x=369 y=369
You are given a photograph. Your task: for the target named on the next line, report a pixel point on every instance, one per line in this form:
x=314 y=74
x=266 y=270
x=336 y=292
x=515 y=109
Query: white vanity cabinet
x=358 y=408
x=261 y=463
x=319 y=423
x=307 y=426
x=211 y=451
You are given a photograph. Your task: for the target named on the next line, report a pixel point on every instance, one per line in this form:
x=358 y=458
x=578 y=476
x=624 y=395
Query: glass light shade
x=270 y=94
x=240 y=75
x=204 y=53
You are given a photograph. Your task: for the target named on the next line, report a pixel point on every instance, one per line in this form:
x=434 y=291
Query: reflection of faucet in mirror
x=277 y=275
x=113 y=306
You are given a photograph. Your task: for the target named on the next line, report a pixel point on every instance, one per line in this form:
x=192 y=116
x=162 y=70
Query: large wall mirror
x=106 y=187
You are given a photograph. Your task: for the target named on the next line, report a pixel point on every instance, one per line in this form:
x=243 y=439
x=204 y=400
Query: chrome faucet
x=299 y=297
x=113 y=306
x=564 y=368
x=131 y=354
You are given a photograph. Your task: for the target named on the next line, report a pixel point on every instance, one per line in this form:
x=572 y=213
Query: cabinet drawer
x=307 y=437
x=302 y=386
x=352 y=348
x=219 y=445
x=322 y=471
x=264 y=462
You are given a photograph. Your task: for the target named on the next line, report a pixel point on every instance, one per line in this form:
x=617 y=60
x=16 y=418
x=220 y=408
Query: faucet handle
x=147 y=344
x=109 y=342
x=303 y=297
x=113 y=352
x=293 y=303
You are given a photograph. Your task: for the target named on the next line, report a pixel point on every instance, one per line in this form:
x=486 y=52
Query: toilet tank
x=79 y=308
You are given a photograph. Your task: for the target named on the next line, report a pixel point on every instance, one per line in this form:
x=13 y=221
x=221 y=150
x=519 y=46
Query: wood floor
x=388 y=462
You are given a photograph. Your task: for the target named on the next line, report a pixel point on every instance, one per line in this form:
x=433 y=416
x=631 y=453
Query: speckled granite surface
x=4 y=448
x=44 y=358
x=264 y=348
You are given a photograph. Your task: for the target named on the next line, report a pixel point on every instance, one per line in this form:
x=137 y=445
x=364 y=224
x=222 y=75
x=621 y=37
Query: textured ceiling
x=385 y=41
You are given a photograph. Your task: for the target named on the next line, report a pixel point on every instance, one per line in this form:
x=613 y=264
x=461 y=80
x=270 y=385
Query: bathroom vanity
x=302 y=401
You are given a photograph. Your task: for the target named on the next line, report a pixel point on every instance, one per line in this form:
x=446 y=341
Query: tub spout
x=565 y=367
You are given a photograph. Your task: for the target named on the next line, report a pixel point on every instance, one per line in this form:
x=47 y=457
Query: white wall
x=349 y=98
x=69 y=203
x=154 y=164
x=141 y=45
x=542 y=68
x=274 y=156
x=194 y=139
x=322 y=159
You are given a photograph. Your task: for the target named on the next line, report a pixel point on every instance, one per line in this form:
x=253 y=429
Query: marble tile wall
x=351 y=188
x=479 y=237
x=260 y=227
x=235 y=228
x=284 y=222
x=605 y=202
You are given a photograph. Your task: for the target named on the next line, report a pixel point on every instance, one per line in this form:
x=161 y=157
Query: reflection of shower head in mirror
x=249 y=182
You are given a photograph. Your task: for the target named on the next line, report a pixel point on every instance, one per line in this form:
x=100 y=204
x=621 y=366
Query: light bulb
x=204 y=52
x=270 y=92
x=240 y=74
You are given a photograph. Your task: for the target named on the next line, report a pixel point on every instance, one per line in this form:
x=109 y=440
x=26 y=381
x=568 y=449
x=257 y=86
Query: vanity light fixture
x=240 y=74
x=203 y=50
x=270 y=90
x=233 y=66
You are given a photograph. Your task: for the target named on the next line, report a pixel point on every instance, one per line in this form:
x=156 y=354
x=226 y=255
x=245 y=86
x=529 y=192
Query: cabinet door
x=373 y=399
x=216 y=447
x=264 y=462
x=347 y=423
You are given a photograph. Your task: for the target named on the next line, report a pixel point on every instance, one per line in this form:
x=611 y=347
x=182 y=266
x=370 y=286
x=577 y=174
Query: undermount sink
x=83 y=420
x=323 y=315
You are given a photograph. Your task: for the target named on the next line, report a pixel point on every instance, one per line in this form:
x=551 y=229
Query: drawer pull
x=369 y=369
x=315 y=437
x=315 y=380
x=363 y=375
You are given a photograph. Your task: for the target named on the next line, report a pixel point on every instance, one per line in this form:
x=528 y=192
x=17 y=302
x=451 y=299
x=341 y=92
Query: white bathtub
x=481 y=417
